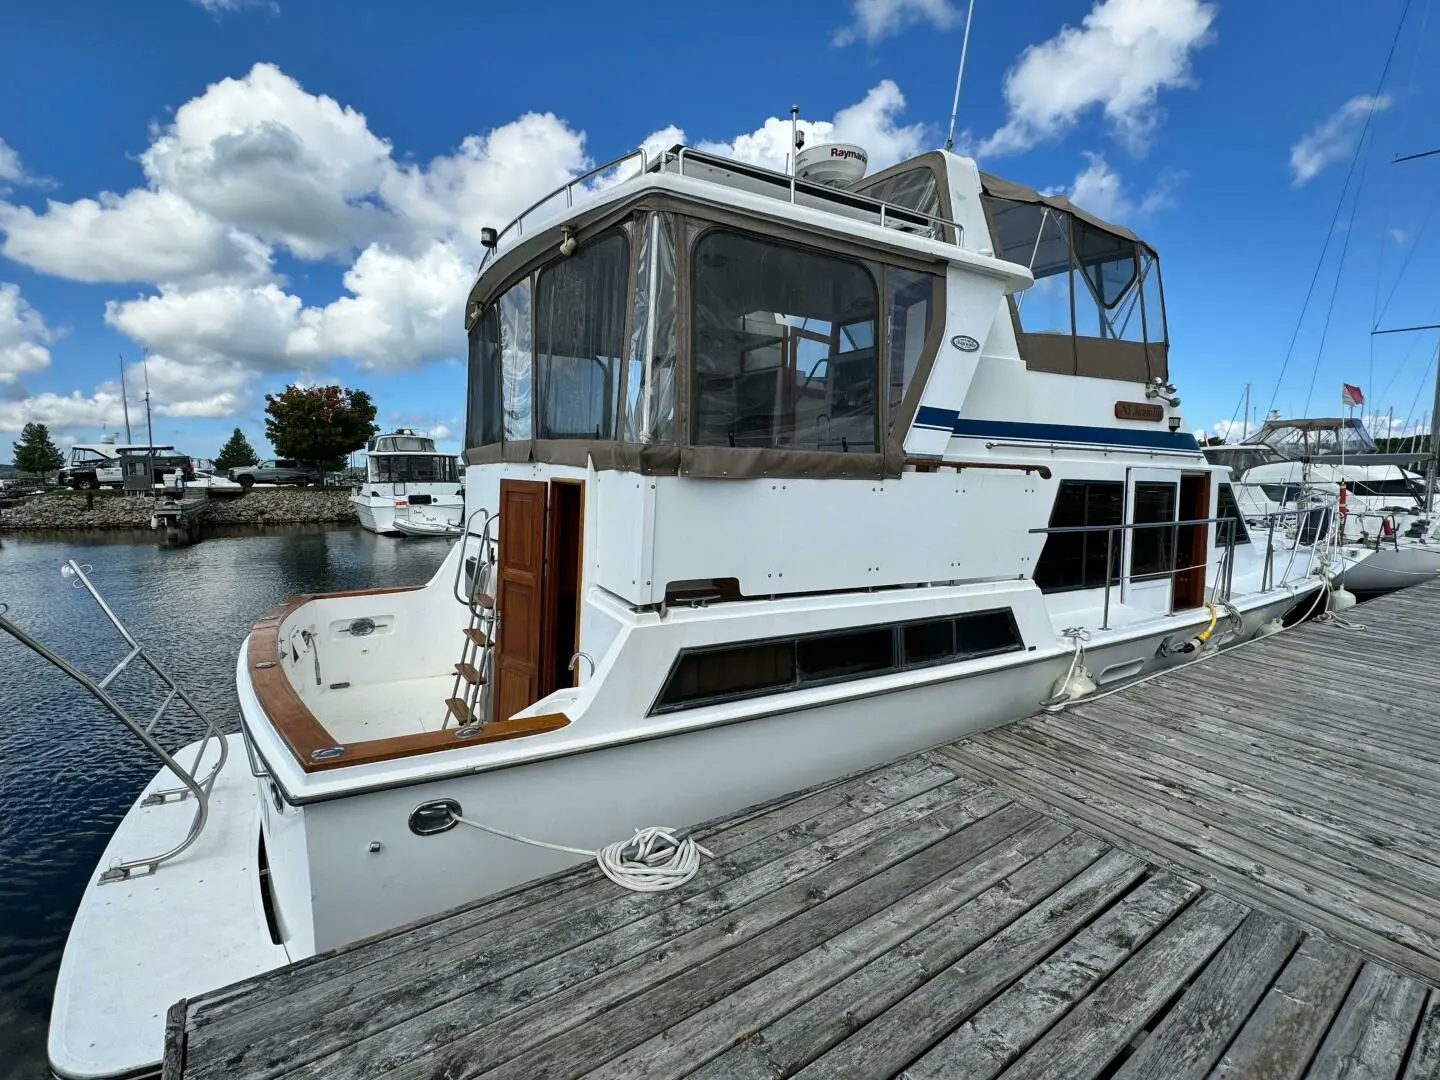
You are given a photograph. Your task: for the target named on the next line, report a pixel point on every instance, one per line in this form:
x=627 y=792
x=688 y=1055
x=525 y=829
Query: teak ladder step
x=484 y=600
x=476 y=635
x=469 y=674
x=459 y=710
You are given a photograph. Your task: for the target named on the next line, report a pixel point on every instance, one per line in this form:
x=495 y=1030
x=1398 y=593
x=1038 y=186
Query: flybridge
x=915 y=215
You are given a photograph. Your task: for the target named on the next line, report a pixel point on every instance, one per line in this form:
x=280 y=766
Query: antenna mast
x=960 y=75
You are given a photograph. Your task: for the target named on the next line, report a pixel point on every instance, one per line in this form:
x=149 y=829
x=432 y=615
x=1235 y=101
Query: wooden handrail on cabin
x=936 y=464
x=312 y=745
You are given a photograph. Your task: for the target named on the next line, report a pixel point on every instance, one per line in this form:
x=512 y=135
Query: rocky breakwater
x=107 y=510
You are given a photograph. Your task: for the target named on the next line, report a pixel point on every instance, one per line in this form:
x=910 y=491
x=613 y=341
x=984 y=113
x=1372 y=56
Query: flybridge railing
x=568 y=190
x=890 y=215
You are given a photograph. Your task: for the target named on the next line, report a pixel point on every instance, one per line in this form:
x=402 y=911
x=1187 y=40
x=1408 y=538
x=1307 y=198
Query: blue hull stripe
x=1055 y=433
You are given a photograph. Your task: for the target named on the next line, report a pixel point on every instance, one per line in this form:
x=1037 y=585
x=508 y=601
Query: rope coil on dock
x=655 y=859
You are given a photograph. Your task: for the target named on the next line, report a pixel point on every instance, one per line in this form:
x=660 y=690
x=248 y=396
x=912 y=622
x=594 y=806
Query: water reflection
x=68 y=770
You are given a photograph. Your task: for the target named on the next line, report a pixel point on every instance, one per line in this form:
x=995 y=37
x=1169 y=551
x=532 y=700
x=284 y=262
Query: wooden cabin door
x=519 y=596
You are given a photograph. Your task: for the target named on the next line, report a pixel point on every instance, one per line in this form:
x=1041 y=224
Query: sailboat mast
x=1434 y=455
x=124 y=402
x=1245 y=423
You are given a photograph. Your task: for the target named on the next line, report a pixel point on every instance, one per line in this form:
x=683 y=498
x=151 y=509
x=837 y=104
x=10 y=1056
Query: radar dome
x=838 y=165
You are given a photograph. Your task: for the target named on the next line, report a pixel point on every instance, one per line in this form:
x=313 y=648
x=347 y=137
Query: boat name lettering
x=1139 y=410
x=965 y=343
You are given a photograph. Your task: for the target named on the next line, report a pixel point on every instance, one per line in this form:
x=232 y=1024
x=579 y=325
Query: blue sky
x=263 y=192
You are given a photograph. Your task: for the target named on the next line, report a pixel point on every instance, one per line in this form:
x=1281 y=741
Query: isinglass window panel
x=775 y=348
x=580 y=339
x=910 y=301
x=516 y=354
x=652 y=338
x=483 y=420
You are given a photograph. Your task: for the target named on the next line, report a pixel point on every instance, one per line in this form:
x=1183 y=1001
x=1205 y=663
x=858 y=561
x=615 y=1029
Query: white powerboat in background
x=770 y=479
x=409 y=488
x=1387 y=538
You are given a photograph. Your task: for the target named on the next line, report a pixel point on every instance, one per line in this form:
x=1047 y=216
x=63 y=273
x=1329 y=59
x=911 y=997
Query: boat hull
x=1389 y=569
x=354 y=850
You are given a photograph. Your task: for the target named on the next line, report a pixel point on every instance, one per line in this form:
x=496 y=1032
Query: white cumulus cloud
x=1118 y=60
x=1099 y=189
x=1334 y=138
x=871 y=122
x=24 y=337
x=262 y=154
x=874 y=20
x=144 y=235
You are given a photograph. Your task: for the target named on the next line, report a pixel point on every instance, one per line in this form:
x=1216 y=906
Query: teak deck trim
x=304 y=734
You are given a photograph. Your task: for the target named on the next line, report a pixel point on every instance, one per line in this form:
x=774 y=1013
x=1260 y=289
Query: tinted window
x=580 y=339
x=985 y=633
x=1230 y=509
x=736 y=671
x=926 y=643
x=840 y=656
x=770 y=367
x=1152 y=551
x=1076 y=560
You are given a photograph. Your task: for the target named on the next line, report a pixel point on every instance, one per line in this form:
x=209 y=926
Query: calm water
x=68 y=770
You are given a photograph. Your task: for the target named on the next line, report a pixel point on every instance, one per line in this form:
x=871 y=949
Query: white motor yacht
x=409 y=489
x=769 y=478
x=1387 y=538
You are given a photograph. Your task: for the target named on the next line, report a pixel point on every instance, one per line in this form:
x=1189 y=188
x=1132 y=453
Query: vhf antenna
x=960 y=76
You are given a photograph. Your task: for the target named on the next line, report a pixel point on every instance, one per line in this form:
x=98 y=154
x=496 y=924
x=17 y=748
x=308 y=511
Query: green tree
x=36 y=453
x=319 y=425
x=235 y=453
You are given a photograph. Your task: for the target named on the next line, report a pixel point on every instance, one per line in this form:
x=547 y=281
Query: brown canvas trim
x=305 y=736
x=1008 y=189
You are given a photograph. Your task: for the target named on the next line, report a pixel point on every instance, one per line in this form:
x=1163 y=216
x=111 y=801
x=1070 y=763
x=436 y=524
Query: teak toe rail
x=312 y=744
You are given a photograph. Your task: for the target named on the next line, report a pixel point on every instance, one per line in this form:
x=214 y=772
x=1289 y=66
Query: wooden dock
x=1230 y=871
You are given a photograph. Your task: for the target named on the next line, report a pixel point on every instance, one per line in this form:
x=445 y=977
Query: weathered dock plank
x=1229 y=872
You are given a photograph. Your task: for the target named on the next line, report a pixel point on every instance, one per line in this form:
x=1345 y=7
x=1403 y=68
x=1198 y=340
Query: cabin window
x=412 y=468
x=845 y=656
x=910 y=301
x=1229 y=509
x=650 y=416
x=986 y=633
x=734 y=671
x=928 y=642
x=1152 y=551
x=777 y=347
x=1077 y=560
x=579 y=340
x=727 y=672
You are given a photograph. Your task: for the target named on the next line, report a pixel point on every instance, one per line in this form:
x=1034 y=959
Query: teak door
x=519 y=596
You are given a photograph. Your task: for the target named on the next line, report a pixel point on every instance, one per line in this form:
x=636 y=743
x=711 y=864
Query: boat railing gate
x=1227 y=541
x=891 y=215
x=192 y=784
x=1378 y=540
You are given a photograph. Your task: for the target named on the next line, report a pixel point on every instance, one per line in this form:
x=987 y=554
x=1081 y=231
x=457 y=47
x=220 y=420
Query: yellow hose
x=1204 y=635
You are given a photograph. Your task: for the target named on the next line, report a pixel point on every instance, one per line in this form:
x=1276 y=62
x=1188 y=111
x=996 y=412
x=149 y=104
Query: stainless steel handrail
x=795 y=186
x=200 y=788
x=1223 y=586
x=568 y=189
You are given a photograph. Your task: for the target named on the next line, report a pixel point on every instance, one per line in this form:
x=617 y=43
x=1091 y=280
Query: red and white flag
x=1351 y=396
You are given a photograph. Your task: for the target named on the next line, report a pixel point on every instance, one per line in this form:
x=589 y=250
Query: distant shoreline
x=104 y=510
